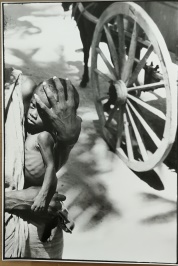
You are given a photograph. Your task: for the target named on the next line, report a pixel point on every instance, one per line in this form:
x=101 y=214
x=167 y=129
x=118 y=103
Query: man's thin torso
x=34 y=165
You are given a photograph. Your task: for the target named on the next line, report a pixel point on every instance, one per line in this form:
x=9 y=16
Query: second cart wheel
x=139 y=129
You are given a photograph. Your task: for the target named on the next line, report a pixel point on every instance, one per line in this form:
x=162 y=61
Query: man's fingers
x=49 y=95
x=33 y=207
x=70 y=92
x=59 y=197
x=41 y=105
x=60 y=89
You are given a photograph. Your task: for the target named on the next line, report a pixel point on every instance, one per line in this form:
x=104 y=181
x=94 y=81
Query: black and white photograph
x=89 y=106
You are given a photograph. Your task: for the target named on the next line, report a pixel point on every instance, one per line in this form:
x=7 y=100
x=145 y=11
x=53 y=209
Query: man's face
x=34 y=120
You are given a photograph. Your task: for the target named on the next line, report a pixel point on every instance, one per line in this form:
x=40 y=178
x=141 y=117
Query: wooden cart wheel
x=140 y=131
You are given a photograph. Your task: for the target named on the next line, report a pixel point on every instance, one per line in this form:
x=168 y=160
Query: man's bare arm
x=48 y=188
x=22 y=200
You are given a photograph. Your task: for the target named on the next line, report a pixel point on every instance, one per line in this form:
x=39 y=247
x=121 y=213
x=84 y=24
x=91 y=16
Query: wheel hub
x=121 y=91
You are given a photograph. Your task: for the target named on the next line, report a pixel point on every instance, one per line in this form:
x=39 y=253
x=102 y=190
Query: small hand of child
x=39 y=203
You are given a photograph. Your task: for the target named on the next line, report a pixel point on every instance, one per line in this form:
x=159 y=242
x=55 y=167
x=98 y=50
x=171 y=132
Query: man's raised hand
x=62 y=114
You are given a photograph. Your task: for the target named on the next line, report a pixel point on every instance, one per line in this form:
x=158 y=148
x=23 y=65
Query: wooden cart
x=141 y=132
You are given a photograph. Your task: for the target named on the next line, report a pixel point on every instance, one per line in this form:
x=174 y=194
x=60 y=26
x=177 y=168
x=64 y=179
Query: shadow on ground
x=87 y=195
x=163 y=216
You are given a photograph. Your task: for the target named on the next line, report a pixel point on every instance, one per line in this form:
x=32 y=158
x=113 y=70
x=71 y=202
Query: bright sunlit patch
x=147 y=96
x=35 y=33
x=11 y=59
x=100 y=64
x=104 y=101
x=106 y=114
x=161 y=92
x=84 y=137
x=89 y=116
x=72 y=69
x=51 y=10
x=33 y=30
x=141 y=77
x=45 y=55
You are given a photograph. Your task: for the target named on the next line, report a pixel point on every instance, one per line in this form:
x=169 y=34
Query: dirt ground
x=119 y=216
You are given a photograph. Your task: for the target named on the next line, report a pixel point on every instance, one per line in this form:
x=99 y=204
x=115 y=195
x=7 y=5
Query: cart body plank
x=165 y=15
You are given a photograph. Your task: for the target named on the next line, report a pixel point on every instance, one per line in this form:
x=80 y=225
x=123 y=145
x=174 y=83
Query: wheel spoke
x=107 y=63
x=148 y=107
x=131 y=56
x=120 y=124
x=112 y=49
x=121 y=37
x=148 y=129
x=137 y=135
x=104 y=76
x=112 y=114
x=109 y=137
x=121 y=152
x=106 y=97
x=128 y=139
x=141 y=42
x=148 y=87
x=140 y=65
